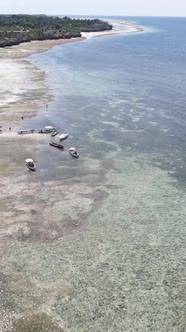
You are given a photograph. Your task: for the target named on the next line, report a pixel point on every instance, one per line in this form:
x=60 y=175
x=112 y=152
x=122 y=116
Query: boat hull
x=54 y=133
x=47 y=129
x=74 y=154
x=31 y=168
x=30 y=164
x=56 y=145
x=63 y=136
x=29 y=131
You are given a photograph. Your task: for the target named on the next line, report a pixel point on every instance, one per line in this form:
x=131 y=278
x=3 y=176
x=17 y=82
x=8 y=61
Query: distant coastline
x=39 y=46
x=17 y=29
x=14 y=59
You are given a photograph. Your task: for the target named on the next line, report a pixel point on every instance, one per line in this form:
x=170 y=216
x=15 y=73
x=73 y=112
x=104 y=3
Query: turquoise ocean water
x=134 y=81
x=103 y=248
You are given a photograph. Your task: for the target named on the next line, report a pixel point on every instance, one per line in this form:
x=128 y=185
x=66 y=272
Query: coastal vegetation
x=16 y=29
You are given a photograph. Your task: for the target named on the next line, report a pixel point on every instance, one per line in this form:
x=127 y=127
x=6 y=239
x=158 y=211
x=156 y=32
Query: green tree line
x=16 y=29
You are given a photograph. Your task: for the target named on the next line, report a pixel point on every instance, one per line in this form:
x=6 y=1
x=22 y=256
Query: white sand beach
x=118 y=28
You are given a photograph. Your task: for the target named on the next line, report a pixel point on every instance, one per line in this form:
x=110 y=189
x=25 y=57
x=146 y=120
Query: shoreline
x=26 y=104
x=18 y=55
x=38 y=46
x=131 y=28
x=24 y=50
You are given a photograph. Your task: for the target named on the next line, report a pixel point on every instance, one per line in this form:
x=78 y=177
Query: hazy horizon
x=140 y=8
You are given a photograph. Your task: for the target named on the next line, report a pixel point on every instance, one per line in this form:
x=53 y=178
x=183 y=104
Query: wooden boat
x=54 y=133
x=73 y=152
x=63 y=136
x=26 y=131
x=30 y=164
x=57 y=145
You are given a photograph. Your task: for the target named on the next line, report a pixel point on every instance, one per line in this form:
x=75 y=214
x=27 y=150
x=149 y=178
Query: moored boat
x=57 y=145
x=46 y=130
x=73 y=152
x=30 y=164
x=54 y=133
x=26 y=131
x=63 y=136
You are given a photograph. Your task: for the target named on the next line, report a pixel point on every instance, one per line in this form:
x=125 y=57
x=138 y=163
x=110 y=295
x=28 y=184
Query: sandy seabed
x=23 y=90
x=84 y=248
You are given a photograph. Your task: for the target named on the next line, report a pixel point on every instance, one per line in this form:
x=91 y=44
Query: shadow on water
x=36 y=322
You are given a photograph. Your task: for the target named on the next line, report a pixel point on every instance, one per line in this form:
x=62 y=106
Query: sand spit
x=118 y=28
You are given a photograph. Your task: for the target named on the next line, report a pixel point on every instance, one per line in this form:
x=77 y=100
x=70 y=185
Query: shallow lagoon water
x=98 y=244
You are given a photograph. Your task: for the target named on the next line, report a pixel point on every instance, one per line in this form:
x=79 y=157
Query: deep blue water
x=136 y=81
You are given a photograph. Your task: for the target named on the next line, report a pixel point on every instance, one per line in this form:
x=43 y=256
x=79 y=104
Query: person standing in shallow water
x=9 y=128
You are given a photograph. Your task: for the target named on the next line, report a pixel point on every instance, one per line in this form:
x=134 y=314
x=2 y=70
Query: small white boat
x=30 y=164
x=73 y=152
x=63 y=136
